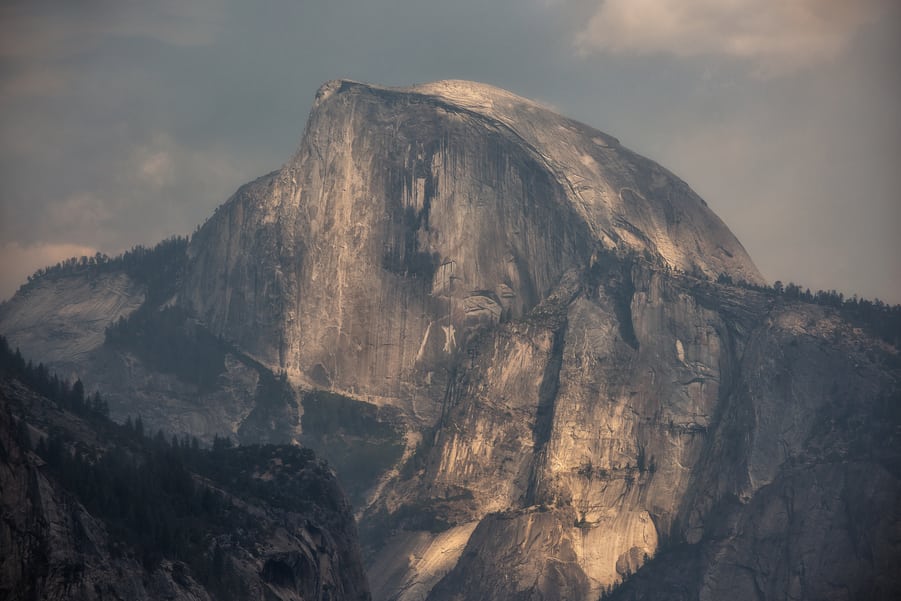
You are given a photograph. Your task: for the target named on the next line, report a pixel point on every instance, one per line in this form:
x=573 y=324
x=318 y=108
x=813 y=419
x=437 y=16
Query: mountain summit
x=411 y=217
x=540 y=365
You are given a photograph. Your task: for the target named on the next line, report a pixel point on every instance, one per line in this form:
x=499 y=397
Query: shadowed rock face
x=581 y=402
x=56 y=548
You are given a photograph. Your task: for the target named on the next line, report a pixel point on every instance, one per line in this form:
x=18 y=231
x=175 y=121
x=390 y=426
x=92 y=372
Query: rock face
x=759 y=448
x=54 y=548
x=63 y=320
x=715 y=423
x=412 y=218
x=583 y=404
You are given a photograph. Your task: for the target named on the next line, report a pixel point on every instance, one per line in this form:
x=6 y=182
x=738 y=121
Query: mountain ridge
x=93 y=509
x=540 y=334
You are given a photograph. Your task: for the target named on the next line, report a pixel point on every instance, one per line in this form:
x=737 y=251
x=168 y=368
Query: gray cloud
x=38 y=29
x=777 y=36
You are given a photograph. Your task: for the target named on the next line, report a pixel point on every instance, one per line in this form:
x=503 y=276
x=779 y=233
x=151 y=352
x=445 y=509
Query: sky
x=124 y=122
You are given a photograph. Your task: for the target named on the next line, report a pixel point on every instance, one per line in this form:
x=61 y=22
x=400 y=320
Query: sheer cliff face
x=634 y=414
x=410 y=219
x=581 y=400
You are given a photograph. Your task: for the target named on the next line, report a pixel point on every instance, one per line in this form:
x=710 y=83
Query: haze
x=123 y=123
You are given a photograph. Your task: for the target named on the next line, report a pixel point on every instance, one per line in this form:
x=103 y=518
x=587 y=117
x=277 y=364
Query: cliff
x=412 y=218
x=750 y=449
x=542 y=363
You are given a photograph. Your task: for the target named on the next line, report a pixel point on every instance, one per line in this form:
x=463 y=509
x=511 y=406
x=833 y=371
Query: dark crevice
x=403 y=255
x=621 y=290
x=613 y=274
x=544 y=417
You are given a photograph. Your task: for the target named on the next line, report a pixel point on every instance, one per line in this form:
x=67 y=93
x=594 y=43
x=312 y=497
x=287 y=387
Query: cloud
x=55 y=29
x=39 y=82
x=83 y=211
x=154 y=166
x=17 y=262
x=40 y=40
x=775 y=36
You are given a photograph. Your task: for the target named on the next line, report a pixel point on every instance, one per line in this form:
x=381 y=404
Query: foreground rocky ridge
x=536 y=309
x=55 y=548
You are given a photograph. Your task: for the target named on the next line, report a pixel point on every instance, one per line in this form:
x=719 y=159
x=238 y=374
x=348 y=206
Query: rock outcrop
x=586 y=397
x=412 y=218
x=62 y=320
x=715 y=422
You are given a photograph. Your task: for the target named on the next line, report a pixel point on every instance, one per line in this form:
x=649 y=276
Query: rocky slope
x=533 y=312
x=55 y=548
x=62 y=320
x=158 y=367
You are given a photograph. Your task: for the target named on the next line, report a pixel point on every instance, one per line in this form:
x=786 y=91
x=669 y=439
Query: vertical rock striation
x=583 y=405
x=718 y=430
x=411 y=218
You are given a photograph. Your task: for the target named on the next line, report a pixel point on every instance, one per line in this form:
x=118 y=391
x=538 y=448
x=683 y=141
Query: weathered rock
x=536 y=303
x=658 y=432
x=411 y=218
x=61 y=320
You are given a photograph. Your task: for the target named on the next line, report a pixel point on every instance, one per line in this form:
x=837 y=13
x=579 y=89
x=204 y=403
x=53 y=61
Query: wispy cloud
x=83 y=211
x=37 y=38
x=775 y=36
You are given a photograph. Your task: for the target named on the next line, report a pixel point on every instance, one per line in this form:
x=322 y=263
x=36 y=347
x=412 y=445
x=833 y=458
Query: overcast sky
x=124 y=121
